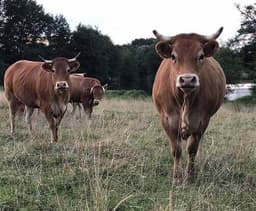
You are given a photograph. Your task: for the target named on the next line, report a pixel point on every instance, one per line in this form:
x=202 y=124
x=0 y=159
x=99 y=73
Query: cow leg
x=177 y=168
x=54 y=130
x=29 y=112
x=12 y=113
x=80 y=108
x=88 y=109
x=176 y=150
x=74 y=105
x=52 y=125
x=14 y=106
x=192 y=147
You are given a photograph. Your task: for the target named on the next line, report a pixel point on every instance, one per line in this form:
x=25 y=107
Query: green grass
x=120 y=160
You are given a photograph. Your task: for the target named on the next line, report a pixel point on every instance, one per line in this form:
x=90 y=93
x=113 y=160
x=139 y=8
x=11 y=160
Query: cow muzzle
x=61 y=85
x=187 y=82
x=95 y=102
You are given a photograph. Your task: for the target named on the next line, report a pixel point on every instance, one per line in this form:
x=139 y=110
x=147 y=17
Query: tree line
x=27 y=31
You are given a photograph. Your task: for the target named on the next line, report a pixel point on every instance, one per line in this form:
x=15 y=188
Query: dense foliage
x=27 y=31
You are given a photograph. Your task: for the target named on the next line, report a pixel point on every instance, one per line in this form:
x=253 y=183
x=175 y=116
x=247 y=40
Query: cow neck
x=185 y=111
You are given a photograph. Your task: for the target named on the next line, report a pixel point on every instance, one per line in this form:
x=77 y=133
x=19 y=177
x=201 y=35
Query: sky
x=126 y=20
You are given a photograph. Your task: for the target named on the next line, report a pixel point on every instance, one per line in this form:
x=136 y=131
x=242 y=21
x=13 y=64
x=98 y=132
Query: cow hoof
x=188 y=180
x=177 y=181
x=185 y=134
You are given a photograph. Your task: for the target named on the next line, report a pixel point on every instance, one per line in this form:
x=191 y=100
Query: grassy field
x=120 y=160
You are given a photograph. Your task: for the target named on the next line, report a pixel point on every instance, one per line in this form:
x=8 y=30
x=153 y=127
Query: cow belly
x=28 y=100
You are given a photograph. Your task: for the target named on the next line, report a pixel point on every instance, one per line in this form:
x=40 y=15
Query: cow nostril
x=193 y=80
x=187 y=82
x=62 y=85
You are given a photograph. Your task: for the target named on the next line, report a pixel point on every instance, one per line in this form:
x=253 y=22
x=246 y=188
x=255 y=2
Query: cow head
x=97 y=93
x=187 y=53
x=61 y=68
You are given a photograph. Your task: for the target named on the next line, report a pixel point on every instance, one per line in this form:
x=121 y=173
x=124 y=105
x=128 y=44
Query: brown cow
x=86 y=90
x=189 y=88
x=45 y=85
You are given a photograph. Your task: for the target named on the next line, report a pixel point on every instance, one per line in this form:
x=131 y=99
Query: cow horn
x=44 y=60
x=215 y=35
x=161 y=37
x=75 y=58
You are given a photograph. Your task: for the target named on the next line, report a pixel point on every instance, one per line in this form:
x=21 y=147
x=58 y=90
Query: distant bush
x=125 y=94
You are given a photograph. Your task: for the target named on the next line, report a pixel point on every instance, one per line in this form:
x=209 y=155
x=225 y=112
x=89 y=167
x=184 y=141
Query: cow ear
x=163 y=49
x=105 y=86
x=47 y=67
x=210 y=48
x=74 y=65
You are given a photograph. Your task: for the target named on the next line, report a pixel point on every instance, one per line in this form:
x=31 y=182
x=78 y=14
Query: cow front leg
x=53 y=126
x=74 y=105
x=175 y=146
x=192 y=148
x=88 y=109
x=54 y=134
x=177 y=167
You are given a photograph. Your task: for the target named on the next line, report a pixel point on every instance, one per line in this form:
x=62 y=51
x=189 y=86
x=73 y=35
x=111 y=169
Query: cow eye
x=173 y=57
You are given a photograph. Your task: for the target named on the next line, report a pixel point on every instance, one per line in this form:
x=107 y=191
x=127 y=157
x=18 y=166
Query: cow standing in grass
x=44 y=85
x=189 y=88
x=87 y=91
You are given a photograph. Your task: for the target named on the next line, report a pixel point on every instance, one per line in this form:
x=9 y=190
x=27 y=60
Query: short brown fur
x=33 y=84
x=186 y=115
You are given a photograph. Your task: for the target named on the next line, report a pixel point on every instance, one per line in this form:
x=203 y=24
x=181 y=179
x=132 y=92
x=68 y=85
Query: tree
x=147 y=62
x=245 y=42
x=59 y=36
x=98 y=54
x=232 y=64
x=23 y=22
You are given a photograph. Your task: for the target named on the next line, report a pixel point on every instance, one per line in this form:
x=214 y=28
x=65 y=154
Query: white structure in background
x=235 y=91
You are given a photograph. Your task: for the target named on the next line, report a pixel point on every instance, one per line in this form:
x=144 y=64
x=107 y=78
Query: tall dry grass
x=3 y=101
x=120 y=160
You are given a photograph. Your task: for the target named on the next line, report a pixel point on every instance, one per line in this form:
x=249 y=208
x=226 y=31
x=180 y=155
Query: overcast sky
x=126 y=20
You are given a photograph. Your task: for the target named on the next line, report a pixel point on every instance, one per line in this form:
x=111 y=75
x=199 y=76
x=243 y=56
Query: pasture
x=120 y=160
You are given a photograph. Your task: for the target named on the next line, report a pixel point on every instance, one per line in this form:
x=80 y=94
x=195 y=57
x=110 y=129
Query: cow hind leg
x=29 y=112
x=14 y=106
